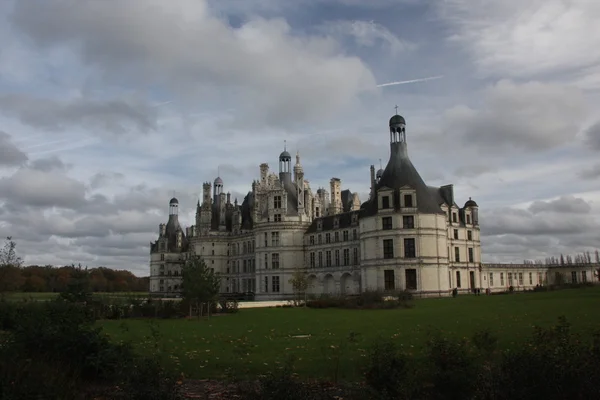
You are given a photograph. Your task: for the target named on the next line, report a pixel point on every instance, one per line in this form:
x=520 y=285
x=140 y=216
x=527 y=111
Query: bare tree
x=10 y=267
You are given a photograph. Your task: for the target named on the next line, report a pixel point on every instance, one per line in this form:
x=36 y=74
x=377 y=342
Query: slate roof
x=171 y=230
x=400 y=172
x=345 y=221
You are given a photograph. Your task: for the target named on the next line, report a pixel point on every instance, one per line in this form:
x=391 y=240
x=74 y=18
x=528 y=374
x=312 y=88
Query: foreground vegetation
x=329 y=343
x=469 y=347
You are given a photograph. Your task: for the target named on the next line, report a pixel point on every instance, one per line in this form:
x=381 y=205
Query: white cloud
x=523 y=38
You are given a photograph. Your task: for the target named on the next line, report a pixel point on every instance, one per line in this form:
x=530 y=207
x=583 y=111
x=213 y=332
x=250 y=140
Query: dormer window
x=277 y=218
x=319 y=225
x=454 y=217
x=354 y=218
x=336 y=223
x=408 y=200
x=277 y=202
x=385 y=202
x=468 y=216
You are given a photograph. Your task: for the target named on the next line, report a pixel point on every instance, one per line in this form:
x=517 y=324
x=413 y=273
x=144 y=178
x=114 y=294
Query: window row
x=246 y=247
x=316 y=259
x=386 y=201
x=240 y=285
x=410 y=248
x=243 y=266
x=336 y=237
x=457 y=254
x=408 y=222
x=275 y=284
x=456 y=236
x=410 y=279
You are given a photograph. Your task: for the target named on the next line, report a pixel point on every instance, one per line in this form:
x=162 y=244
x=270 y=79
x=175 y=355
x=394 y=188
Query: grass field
x=44 y=296
x=255 y=341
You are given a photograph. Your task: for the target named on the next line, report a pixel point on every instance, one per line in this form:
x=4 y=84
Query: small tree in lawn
x=200 y=284
x=299 y=282
x=11 y=278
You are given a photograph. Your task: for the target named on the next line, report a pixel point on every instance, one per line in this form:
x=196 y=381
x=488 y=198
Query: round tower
x=397 y=129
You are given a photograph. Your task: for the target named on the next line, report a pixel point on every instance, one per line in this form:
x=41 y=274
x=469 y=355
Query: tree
x=11 y=277
x=299 y=282
x=200 y=284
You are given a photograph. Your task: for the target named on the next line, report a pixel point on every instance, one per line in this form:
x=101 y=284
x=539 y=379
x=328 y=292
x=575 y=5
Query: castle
x=406 y=236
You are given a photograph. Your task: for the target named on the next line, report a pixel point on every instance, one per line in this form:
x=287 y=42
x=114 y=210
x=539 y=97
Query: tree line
x=15 y=277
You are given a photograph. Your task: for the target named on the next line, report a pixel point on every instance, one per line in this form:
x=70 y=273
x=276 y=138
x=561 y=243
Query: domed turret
x=285 y=156
x=470 y=203
x=397 y=128
x=174 y=201
x=285 y=165
x=397 y=120
x=218 y=181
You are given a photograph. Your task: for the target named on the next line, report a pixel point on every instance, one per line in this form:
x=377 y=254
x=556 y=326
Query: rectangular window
x=501 y=278
x=520 y=279
x=385 y=202
x=469 y=235
x=510 y=279
x=312 y=259
x=337 y=236
x=275 y=261
x=266 y=284
x=410 y=250
x=540 y=281
x=530 y=278
x=411 y=279
x=354 y=234
x=266 y=261
x=491 y=279
x=328 y=258
x=162 y=257
x=458 y=279
x=274 y=239
x=388 y=248
x=584 y=276
x=320 y=237
x=312 y=239
x=454 y=217
x=456 y=254
x=277 y=202
x=245 y=266
x=408 y=222
x=320 y=259
x=468 y=218
x=574 y=277
x=275 y=284
x=345 y=236
x=471 y=258
x=346 y=257
x=388 y=279
x=408 y=200
x=277 y=218
x=355 y=256
x=456 y=234
x=328 y=238
x=386 y=223
x=337 y=258
x=266 y=242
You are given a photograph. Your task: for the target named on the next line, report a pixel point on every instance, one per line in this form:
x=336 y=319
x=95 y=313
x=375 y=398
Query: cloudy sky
x=109 y=107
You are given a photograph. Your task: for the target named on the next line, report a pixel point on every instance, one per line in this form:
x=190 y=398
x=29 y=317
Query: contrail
x=411 y=81
x=47 y=143
x=163 y=103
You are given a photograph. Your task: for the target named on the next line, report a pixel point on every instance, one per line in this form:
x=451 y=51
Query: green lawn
x=254 y=341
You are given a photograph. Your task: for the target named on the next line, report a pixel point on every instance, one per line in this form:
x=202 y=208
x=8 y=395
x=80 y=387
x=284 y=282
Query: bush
x=386 y=371
x=364 y=300
x=56 y=345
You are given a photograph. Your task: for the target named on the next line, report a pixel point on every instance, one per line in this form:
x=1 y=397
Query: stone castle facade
x=406 y=236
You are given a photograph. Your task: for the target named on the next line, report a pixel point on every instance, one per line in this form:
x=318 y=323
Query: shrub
x=386 y=370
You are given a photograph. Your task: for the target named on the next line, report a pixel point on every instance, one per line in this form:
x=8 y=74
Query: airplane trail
x=411 y=81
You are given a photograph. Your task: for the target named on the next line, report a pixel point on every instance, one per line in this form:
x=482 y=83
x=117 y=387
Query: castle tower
x=218 y=189
x=336 y=196
x=299 y=180
x=285 y=162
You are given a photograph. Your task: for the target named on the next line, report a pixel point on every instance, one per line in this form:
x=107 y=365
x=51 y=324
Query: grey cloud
x=593 y=136
x=532 y=116
x=472 y=171
x=116 y=116
x=10 y=155
x=591 y=173
x=48 y=164
x=30 y=187
x=503 y=221
x=104 y=178
x=564 y=204
x=149 y=42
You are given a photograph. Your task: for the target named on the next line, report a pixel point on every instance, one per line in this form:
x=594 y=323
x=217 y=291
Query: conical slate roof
x=400 y=172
